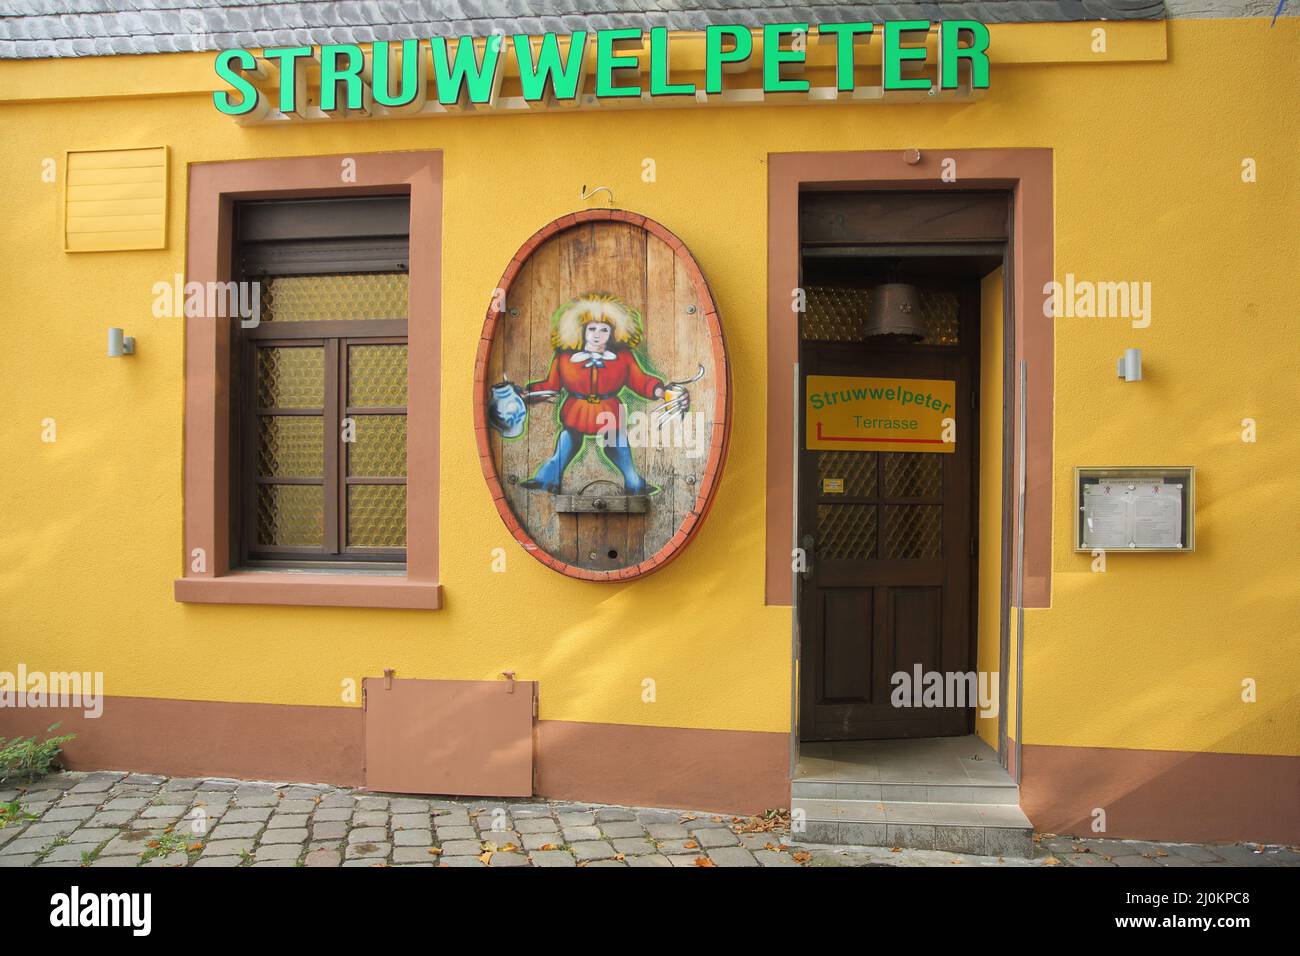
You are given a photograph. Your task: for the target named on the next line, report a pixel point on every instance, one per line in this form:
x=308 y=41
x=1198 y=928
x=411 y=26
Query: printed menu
x=1121 y=513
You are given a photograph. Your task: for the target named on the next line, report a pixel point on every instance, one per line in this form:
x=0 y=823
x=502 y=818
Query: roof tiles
x=60 y=28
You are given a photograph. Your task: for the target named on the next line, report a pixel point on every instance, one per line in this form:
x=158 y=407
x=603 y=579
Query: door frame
x=1026 y=175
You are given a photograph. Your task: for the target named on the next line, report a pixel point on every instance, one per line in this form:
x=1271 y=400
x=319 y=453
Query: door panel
x=915 y=628
x=890 y=582
x=846 y=673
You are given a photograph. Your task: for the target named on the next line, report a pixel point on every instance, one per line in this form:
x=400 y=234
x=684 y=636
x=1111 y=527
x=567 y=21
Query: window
x=320 y=430
x=306 y=238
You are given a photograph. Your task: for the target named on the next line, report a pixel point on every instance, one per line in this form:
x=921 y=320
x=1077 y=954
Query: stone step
x=995 y=791
x=987 y=829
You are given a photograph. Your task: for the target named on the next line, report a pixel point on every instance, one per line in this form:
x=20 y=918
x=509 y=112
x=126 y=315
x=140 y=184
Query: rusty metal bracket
x=388 y=678
x=510 y=676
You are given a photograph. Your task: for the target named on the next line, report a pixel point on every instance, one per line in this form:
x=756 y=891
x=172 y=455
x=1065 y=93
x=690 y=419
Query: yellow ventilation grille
x=116 y=199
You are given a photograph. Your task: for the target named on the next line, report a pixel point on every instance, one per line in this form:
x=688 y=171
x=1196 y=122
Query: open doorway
x=900 y=474
x=891 y=525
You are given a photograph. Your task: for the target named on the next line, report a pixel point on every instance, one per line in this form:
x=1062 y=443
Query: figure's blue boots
x=551 y=473
x=621 y=455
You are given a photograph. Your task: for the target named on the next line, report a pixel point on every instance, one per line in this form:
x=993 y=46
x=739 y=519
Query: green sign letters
x=467 y=73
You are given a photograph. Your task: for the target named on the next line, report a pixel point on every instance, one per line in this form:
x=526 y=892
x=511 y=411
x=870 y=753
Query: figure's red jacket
x=593 y=391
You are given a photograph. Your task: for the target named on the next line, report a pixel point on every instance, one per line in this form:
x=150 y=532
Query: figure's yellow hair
x=570 y=319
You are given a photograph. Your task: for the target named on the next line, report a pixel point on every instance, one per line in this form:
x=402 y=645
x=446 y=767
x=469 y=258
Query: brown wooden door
x=892 y=564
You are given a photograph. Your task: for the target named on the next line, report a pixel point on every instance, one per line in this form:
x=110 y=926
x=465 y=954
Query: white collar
x=590 y=356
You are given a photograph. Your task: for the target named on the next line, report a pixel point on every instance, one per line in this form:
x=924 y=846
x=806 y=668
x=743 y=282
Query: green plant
x=24 y=758
x=165 y=845
x=12 y=812
x=89 y=856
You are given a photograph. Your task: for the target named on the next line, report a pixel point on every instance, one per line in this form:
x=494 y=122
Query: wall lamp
x=120 y=344
x=1130 y=365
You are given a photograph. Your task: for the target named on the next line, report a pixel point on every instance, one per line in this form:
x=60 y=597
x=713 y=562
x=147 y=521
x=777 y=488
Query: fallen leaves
x=691 y=845
x=435 y=851
x=801 y=856
x=1051 y=861
x=769 y=821
x=704 y=861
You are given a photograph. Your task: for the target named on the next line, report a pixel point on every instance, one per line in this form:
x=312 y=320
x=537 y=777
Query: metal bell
x=895 y=310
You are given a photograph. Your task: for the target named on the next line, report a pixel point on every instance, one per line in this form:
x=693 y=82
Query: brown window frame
x=209 y=558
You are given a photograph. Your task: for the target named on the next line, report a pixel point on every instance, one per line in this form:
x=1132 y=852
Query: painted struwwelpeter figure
x=594 y=337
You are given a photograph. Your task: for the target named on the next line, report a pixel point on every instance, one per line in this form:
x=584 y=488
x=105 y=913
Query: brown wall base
x=729 y=771
x=719 y=770
x=1163 y=795
x=200 y=738
x=1147 y=794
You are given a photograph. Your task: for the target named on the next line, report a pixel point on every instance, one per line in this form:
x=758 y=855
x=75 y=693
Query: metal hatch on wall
x=462 y=737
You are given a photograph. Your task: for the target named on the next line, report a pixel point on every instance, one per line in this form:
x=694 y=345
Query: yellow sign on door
x=848 y=413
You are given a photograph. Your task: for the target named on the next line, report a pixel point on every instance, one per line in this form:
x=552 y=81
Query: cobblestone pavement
x=107 y=818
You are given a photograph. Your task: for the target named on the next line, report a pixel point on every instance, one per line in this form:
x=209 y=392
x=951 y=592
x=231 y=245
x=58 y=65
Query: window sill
x=311 y=590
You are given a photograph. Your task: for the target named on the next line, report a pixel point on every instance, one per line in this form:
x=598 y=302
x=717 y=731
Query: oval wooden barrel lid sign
x=601 y=396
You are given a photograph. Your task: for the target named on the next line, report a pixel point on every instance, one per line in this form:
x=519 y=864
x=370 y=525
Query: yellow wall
x=989 y=514
x=1147 y=159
